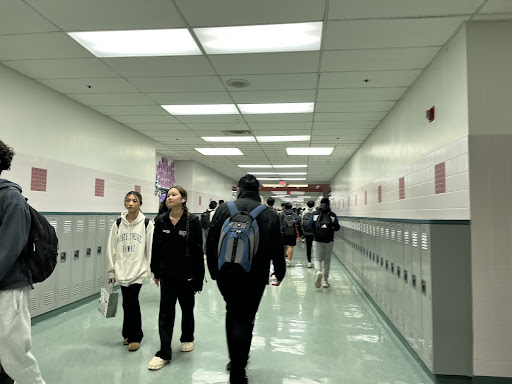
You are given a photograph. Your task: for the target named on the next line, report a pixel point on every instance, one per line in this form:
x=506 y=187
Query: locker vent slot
x=48 y=299
x=80 y=225
x=111 y=222
x=428 y=349
x=88 y=286
x=92 y=225
x=393 y=235
x=33 y=303
x=424 y=241
x=417 y=334
x=415 y=239
x=63 y=294
x=68 y=225
x=99 y=282
x=399 y=236
x=54 y=224
x=77 y=289
x=387 y=233
x=102 y=224
x=406 y=237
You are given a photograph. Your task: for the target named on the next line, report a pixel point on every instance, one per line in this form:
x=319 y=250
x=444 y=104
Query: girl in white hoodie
x=129 y=258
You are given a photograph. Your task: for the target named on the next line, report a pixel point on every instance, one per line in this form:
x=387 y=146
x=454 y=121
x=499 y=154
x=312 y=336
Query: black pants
x=242 y=297
x=170 y=291
x=309 y=244
x=4 y=378
x=132 y=321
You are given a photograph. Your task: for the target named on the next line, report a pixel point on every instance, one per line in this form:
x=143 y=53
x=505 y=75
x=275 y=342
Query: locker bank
x=395 y=110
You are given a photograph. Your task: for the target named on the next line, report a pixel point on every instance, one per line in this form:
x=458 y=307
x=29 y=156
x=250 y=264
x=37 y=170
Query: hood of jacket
x=140 y=217
x=324 y=208
x=6 y=183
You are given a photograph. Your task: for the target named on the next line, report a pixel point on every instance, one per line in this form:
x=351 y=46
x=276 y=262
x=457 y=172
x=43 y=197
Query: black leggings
x=132 y=321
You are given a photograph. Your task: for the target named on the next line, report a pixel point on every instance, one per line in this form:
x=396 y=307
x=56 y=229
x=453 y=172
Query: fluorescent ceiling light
x=280 y=192
x=275 y=139
x=293 y=178
x=297 y=193
x=229 y=139
x=277 y=173
x=262 y=173
x=151 y=42
x=272 y=186
x=201 y=109
x=307 y=151
x=273 y=166
x=261 y=38
x=283 y=178
x=276 y=108
x=298 y=185
x=220 y=151
x=268 y=178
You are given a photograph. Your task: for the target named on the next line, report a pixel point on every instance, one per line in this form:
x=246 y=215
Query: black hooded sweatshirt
x=270 y=246
x=323 y=208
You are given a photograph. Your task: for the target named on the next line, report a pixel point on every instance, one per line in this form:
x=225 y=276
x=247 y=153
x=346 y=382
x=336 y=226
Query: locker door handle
x=77 y=255
x=393 y=268
x=98 y=252
x=414 y=281
x=63 y=257
x=406 y=276
x=424 y=287
x=398 y=271
x=88 y=252
x=387 y=266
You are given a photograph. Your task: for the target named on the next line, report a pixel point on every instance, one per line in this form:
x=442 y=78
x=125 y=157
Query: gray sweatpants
x=322 y=253
x=16 y=337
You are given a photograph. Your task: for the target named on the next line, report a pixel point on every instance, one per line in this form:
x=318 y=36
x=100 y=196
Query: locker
x=78 y=258
x=417 y=308
x=426 y=296
x=64 y=265
x=102 y=233
x=111 y=221
x=399 y=259
x=393 y=284
x=406 y=286
x=386 y=276
x=90 y=256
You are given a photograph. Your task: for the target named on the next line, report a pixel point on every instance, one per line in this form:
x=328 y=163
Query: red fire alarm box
x=430 y=114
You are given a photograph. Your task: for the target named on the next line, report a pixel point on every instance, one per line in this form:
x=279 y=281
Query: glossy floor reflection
x=303 y=335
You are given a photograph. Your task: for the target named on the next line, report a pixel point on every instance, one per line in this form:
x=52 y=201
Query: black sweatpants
x=170 y=291
x=242 y=297
x=309 y=243
x=132 y=321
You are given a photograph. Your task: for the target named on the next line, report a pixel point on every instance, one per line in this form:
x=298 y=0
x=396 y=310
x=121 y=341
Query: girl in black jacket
x=178 y=265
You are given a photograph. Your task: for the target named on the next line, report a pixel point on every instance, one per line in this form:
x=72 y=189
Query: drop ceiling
x=389 y=43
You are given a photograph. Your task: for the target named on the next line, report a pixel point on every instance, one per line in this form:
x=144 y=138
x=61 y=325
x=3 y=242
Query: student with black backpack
x=206 y=219
x=308 y=235
x=15 y=281
x=290 y=224
x=240 y=262
x=323 y=222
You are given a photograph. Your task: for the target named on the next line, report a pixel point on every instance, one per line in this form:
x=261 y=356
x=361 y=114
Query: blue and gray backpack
x=239 y=238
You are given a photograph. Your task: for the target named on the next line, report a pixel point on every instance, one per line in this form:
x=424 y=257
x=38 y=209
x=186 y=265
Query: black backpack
x=289 y=225
x=40 y=253
x=305 y=220
x=324 y=228
x=205 y=220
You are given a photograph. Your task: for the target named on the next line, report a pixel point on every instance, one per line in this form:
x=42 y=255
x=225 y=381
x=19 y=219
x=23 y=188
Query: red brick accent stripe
x=38 y=179
x=99 y=188
x=440 y=178
x=401 y=188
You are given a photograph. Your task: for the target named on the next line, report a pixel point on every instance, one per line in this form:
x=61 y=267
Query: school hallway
x=302 y=335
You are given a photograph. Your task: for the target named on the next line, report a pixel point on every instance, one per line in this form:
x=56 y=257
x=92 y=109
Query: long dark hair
x=183 y=193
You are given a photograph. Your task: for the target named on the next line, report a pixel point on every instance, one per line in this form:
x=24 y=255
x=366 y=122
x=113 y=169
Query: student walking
x=129 y=257
x=242 y=291
x=290 y=224
x=15 y=282
x=308 y=235
x=178 y=265
x=323 y=223
x=206 y=220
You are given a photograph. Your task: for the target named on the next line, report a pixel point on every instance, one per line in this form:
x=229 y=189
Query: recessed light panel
x=151 y=42
x=219 y=151
x=255 y=109
x=201 y=109
x=261 y=38
x=307 y=151
x=276 y=139
x=229 y=139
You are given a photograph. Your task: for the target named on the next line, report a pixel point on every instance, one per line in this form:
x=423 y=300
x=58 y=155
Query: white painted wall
x=490 y=160
x=406 y=145
x=76 y=145
x=202 y=184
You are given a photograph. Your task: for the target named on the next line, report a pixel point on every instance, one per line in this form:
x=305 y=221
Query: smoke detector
x=238 y=83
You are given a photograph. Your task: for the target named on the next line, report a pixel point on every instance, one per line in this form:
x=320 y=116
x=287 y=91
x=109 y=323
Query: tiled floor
x=303 y=335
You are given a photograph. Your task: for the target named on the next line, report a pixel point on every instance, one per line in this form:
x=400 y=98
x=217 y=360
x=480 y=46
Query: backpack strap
x=232 y=208
x=118 y=222
x=256 y=211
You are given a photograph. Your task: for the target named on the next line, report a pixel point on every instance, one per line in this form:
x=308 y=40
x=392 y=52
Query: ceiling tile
x=361 y=94
x=53 y=45
x=363 y=9
x=101 y=15
x=354 y=106
x=377 y=59
x=126 y=99
x=191 y=98
x=156 y=127
x=282 y=81
x=279 y=118
x=345 y=124
x=363 y=34
x=348 y=116
x=266 y=63
x=142 y=119
x=297 y=96
x=18 y=17
x=177 y=84
x=375 y=79
x=130 y=110
x=92 y=85
x=160 y=66
x=61 y=68
x=496 y=6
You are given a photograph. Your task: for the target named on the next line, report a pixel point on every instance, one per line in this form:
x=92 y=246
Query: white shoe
x=156 y=363
x=318 y=281
x=310 y=265
x=187 y=347
x=326 y=284
x=289 y=263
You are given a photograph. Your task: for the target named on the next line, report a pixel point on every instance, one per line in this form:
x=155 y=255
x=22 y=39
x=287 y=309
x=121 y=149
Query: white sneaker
x=289 y=263
x=187 y=347
x=156 y=363
x=310 y=265
x=318 y=281
x=326 y=284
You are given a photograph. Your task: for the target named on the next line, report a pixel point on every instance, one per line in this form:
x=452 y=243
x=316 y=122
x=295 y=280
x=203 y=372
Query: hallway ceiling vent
x=238 y=83
x=239 y=132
